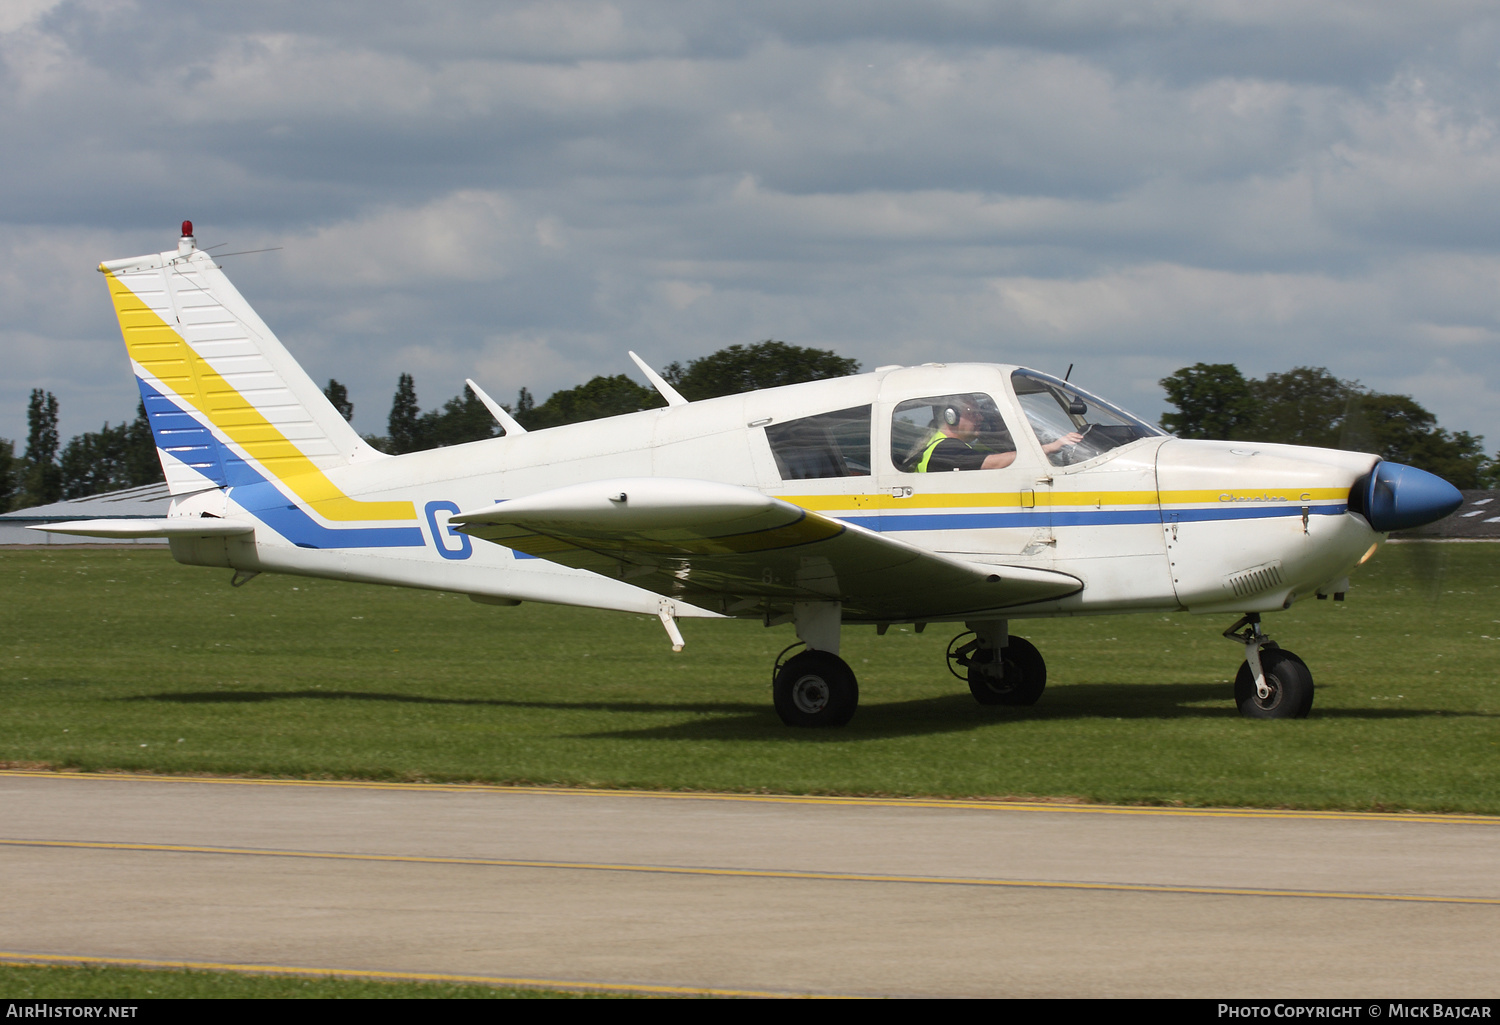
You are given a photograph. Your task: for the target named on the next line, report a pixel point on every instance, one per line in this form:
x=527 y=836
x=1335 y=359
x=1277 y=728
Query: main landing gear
x=1272 y=683
x=815 y=687
x=999 y=669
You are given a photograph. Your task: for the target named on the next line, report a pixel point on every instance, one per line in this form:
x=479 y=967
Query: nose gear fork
x=1253 y=640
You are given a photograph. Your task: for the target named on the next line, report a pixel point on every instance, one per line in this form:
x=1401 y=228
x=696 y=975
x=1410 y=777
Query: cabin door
x=954 y=475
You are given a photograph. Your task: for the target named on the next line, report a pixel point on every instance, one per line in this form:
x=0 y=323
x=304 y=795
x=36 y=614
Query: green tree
x=1405 y=432
x=143 y=465
x=1309 y=406
x=403 y=430
x=463 y=418
x=1489 y=472
x=95 y=462
x=600 y=397
x=41 y=479
x=339 y=396
x=110 y=459
x=742 y=368
x=1304 y=406
x=1213 y=400
x=9 y=469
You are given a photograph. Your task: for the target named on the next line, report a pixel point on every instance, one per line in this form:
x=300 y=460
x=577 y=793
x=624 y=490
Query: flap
x=736 y=550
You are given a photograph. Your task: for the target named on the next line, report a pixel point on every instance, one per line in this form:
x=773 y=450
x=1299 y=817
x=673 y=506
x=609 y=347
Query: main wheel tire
x=1025 y=675
x=816 y=688
x=1290 y=682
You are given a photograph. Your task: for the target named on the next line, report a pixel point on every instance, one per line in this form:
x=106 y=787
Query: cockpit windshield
x=1058 y=411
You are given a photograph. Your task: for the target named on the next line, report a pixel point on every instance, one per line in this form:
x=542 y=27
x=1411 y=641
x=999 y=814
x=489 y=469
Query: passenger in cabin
x=952 y=446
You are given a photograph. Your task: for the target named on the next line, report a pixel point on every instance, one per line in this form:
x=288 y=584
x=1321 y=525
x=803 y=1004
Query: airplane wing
x=733 y=549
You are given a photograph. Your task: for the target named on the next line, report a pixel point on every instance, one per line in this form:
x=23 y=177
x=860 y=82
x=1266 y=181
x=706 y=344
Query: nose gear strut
x=1253 y=640
x=1272 y=682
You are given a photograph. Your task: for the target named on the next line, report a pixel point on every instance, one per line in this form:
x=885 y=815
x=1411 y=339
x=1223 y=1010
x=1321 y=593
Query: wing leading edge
x=737 y=551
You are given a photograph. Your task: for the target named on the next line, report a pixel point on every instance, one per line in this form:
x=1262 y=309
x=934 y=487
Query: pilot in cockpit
x=953 y=445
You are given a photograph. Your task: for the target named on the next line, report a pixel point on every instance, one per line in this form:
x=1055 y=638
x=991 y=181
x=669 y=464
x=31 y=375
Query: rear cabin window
x=833 y=444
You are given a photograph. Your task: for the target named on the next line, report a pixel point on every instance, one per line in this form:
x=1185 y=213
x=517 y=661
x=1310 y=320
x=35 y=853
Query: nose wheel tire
x=1023 y=681
x=816 y=688
x=1290 y=682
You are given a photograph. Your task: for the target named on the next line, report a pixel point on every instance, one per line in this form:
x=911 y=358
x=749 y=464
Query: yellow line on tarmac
x=754 y=873
x=12 y=957
x=951 y=804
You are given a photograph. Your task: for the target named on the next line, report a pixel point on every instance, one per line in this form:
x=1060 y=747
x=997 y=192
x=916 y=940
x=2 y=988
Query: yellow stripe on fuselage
x=162 y=351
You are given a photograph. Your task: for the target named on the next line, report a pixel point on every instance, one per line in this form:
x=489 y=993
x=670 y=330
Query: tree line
x=124 y=455
x=109 y=459
x=1309 y=406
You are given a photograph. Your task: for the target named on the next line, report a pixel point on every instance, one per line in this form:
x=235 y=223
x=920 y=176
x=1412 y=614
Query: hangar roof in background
x=148 y=501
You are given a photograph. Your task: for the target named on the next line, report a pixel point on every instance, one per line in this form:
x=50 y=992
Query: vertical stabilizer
x=221 y=392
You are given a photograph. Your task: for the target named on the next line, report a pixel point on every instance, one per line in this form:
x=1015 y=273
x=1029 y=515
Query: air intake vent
x=1256 y=579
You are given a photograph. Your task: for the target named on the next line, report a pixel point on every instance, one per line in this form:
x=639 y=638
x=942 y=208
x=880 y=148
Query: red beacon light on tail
x=187 y=229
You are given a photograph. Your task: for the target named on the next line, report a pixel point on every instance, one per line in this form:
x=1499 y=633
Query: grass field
x=120 y=659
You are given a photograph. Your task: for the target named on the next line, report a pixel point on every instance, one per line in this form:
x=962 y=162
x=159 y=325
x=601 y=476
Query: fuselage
x=1145 y=521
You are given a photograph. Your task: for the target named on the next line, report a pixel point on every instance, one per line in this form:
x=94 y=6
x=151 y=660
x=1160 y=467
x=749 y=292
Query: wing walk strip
x=868 y=802
x=14 y=957
x=756 y=873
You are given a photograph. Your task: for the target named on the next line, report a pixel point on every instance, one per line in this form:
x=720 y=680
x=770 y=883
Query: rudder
x=217 y=384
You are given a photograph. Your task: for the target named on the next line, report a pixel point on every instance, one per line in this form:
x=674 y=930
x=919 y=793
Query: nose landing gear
x=1272 y=683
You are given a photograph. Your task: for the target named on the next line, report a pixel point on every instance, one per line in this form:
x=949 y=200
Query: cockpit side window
x=967 y=427
x=1059 y=413
x=833 y=444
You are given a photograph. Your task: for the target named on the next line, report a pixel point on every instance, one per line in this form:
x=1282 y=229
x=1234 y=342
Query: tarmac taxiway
x=669 y=892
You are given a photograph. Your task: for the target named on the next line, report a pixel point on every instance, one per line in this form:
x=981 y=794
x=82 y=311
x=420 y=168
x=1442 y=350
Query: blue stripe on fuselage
x=256 y=495
x=1072 y=517
x=266 y=503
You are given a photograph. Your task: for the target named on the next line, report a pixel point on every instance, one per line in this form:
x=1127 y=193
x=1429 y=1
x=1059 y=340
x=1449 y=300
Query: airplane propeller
x=1397 y=497
x=1424 y=501
x=1393 y=496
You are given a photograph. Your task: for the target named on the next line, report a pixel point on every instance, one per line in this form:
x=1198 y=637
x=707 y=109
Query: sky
x=521 y=192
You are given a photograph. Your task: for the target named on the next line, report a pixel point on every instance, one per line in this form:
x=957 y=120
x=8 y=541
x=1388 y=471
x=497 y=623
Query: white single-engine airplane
x=968 y=493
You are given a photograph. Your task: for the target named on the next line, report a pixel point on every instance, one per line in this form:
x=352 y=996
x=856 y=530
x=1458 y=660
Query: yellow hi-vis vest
x=937 y=439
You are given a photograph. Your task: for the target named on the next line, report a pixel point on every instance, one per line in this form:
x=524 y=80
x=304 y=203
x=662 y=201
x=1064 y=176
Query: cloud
x=529 y=189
